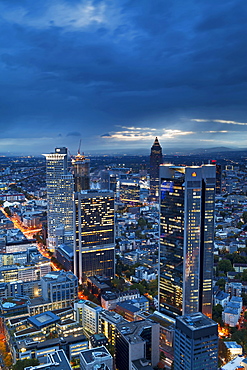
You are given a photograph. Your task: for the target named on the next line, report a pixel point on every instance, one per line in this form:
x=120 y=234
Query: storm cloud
x=94 y=67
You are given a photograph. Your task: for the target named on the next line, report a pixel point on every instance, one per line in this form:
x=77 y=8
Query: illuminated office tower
x=60 y=186
x=129 y=191
x=155 y=160
x=94 y=233
x=81 y=172
x=186 y=239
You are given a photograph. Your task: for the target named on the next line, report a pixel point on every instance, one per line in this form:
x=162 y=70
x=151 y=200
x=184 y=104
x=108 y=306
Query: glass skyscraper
x=155 y=160
x=81 y=172
x=94 y=233
x=186 y=239
x=60 y=186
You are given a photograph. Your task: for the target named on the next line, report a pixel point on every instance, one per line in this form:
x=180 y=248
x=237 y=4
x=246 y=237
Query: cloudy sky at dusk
x=117 y=73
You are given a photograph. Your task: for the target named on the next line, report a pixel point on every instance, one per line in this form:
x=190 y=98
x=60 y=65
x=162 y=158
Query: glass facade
x=94 y=233
x=155 y=161
x=186 y=239
x=60 y=186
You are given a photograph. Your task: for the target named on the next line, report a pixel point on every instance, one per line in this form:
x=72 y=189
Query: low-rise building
x=234 y=349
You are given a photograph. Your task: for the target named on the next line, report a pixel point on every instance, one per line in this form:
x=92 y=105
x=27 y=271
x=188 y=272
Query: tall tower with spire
x=156 y=159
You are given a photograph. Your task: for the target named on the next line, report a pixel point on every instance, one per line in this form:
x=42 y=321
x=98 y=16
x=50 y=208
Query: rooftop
x=43 y=319
x=196 y=321
x=91 y=355
x=232 y=345
x=55 y=361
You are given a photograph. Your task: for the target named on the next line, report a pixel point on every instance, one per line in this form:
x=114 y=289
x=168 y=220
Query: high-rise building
x=196 y=343
x=155 y=160
x=218 y=187
x=94 y=233
x=186 y=239
x=60 y=186
x=81 y=171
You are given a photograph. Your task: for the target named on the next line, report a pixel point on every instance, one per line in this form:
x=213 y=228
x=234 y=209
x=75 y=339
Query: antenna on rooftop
x=79 y=147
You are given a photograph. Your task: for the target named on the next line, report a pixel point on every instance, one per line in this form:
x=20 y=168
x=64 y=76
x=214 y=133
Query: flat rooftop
x=43 y=319
x=196 y=321
x=91 y=355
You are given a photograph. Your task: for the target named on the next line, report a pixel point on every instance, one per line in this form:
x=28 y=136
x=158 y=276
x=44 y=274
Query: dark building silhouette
x=81 y=172
x=155 y=160
x=218 y=176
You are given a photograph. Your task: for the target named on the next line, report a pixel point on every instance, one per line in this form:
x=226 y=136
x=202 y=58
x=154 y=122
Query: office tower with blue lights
x=60 y=187
x=155 y=160
x=94 y=233
x=186 y=239
x=196 y=343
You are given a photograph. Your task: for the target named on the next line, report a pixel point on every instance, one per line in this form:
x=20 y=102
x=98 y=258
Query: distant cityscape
x=123 y=262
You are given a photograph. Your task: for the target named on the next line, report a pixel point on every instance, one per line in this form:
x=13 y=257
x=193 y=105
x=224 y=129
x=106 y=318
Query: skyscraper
x=186 y=239
x=60 y=186
x=81 y=172
x=94 y=233
x=155 y=160
x=196 y=343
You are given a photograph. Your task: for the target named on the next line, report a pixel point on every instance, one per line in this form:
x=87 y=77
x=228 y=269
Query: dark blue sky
x=117 y=73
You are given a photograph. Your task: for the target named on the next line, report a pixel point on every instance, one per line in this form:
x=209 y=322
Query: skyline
x=116 y=74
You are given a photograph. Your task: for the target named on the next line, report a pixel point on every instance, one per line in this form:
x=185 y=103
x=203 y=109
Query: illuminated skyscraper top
x=155 y=160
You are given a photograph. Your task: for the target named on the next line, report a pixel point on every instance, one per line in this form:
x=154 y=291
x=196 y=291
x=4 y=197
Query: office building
x=87 y=314
x=186 y=239
x=129 y=191
x=60 y=286
x=196 y=343
x=156 y=159
x=96 y=359
x=60 y=187
x=94 y=233
x=81 y=172
x=218 y=187
x=135 y=341
x=55 y=361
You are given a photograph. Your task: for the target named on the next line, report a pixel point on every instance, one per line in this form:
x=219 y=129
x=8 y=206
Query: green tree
x=221 y=283
x=225 y=265
x=142 y=222
x=217 y=314
x=244 y=275
x=21 y=364
x=245 y=216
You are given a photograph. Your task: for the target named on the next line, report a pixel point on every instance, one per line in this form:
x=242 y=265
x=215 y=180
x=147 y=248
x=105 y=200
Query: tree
x=245 y=216
x=142 y=222
x=244 y=275
x=221 y=283
x=217 y=314
x=223 y=351
x=21 y=364
x=225 y=265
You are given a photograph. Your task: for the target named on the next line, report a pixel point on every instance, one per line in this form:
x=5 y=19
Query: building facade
x=186 y=239
x=60 y=186
x=81 y=172
x=94 y=233
x=156 y=159
x=196 y=343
